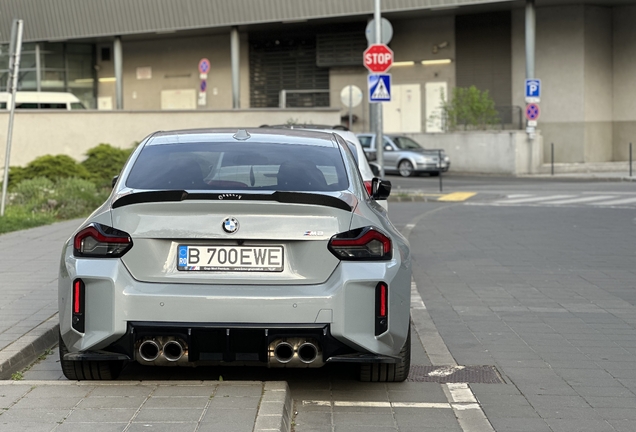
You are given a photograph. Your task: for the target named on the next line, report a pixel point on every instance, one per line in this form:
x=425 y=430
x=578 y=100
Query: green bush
x=104 y=162
x=470 y=108
x=35 y=195
x=65 y=199
x=51 y=167
x=75 y=197
x=36 y=190
x=54 y=188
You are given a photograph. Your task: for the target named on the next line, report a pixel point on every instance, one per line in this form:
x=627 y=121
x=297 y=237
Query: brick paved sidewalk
x=131 y=406
x=29 y=263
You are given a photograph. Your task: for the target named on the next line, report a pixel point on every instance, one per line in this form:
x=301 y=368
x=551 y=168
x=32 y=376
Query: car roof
x=279 y=136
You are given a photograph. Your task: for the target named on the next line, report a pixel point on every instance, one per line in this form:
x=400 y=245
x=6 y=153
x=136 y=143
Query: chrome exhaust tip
x=173 y=351
x=149 y=350
x=307 y=352
x=284 y=352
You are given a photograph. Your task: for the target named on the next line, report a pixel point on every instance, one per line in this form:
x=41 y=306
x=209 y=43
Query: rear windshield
x=239 y=166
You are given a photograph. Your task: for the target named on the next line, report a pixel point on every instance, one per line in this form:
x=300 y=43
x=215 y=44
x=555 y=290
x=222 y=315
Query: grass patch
x=40 y=201
x=18 y=218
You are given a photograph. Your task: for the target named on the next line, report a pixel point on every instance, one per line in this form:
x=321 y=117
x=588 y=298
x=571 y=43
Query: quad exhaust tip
x=162 y=351
x=295 y=352
x=307 y=352
x=172 y=351
x=284 y=352
x=149 y=350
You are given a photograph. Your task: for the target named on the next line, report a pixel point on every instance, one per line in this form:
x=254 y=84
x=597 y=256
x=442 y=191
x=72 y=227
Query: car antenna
x=241 y=135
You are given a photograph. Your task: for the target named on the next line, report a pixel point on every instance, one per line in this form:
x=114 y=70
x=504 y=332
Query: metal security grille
x=340 y=49
x=286 y=63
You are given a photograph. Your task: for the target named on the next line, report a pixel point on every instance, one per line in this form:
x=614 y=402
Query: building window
x=61 y=67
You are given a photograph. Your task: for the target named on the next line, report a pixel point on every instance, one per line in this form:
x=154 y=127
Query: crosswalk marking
x=583 y=199
x=619 y=202
x=533 y=199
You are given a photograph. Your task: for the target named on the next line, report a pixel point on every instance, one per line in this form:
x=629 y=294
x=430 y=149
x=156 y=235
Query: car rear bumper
x=231 y=344
x=344 y=305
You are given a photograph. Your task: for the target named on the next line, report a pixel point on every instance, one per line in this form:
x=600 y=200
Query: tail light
x=78 y=318
x=381 y=308
x=368 y=184
x=361 y=244
x=101 y=241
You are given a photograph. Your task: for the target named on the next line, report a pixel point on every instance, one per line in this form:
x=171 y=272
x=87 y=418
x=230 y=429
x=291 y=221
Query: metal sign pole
x=379 y=149
x=350 y=106
x=16 y=43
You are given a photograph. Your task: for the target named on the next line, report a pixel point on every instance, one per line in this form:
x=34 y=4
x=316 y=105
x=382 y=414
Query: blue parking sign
x=533 y=88
x=379 y=87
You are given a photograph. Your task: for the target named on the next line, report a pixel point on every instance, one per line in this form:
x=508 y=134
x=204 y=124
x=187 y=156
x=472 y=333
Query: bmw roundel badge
x=230 y=225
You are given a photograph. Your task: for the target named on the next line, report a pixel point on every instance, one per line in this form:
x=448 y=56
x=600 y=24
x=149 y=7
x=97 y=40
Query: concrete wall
x=488 y=152
x=581 y=66
x=624 y=82
x=38 y=133
x=413 y=40
x=174 y=63
x=598 y=74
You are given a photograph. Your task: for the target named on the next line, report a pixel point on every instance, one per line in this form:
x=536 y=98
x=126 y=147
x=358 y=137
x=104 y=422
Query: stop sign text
x=378 y=58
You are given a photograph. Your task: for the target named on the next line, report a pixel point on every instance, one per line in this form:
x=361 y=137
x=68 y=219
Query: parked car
x=249 y=247
x=367 y=169
x=405 y=156
x=42 y=100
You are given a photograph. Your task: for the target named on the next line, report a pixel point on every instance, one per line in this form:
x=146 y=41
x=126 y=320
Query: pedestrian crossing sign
x=379 y=87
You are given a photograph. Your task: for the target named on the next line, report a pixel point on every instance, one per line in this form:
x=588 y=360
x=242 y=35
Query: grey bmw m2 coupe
x=237 y=247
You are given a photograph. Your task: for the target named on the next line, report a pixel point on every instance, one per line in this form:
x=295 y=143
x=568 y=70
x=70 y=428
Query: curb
x=275 y=410
x=413 y=198
x=28 y=347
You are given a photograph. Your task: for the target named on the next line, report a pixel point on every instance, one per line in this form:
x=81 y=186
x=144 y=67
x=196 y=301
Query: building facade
x=145 y=55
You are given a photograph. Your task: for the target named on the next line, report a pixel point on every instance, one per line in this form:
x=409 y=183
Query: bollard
x=630 y=159
x=552 y=156
x=439 y=164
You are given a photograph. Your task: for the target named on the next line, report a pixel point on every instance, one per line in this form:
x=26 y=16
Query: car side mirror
x=388 y=147
x=114 y=181
x=381 y=189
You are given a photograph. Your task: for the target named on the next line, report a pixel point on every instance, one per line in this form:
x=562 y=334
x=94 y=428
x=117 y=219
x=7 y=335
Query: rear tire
x=389 y=372
x=88 y=370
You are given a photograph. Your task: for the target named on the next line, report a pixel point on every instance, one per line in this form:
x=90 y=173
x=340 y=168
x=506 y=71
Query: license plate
x=230 y=258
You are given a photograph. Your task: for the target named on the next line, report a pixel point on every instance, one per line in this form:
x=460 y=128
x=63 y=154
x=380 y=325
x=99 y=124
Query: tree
x=469 y=109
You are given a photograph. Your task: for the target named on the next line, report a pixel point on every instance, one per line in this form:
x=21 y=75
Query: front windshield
x=405 y=143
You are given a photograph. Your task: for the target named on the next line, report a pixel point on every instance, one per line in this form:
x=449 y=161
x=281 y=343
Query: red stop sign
x=378 y=58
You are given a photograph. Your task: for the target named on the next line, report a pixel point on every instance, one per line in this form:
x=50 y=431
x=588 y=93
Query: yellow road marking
x=457 y=196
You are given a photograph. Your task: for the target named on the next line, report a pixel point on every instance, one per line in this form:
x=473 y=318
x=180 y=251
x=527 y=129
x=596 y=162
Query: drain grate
x=455 y=374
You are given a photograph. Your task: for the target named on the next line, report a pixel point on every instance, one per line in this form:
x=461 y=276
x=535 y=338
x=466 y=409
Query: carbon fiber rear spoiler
x=278 y=196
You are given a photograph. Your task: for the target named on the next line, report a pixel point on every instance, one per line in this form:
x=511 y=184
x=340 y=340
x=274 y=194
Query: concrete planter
x=488 y=152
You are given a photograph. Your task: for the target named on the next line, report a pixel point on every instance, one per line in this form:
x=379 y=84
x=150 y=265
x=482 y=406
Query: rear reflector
x=78 y=318
x=381 y=308
x=101 y=241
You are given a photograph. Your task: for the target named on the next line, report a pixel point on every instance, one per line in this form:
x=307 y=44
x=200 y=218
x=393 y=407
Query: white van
x=42 y=100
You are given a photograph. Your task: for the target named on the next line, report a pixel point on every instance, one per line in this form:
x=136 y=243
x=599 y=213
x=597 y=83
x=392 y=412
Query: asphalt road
x=533 y=279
